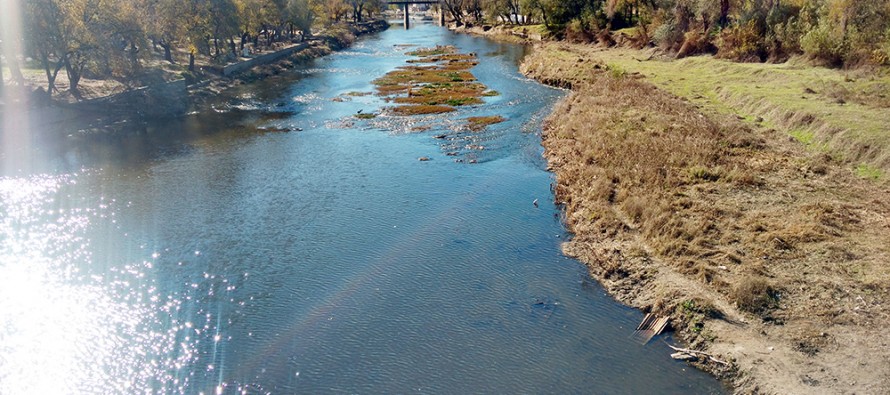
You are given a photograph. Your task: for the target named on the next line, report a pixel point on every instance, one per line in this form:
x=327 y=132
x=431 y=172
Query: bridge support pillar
x=407 y=18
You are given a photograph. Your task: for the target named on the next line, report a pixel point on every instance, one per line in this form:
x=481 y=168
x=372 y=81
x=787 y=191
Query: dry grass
x=479 y=123
x=660 y=193
x=842 y=113
x=421 y=110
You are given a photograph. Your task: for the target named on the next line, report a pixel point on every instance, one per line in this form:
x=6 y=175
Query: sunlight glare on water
x=63 y=330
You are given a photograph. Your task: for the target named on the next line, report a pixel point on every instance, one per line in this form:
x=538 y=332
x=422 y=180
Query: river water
x=218 y=254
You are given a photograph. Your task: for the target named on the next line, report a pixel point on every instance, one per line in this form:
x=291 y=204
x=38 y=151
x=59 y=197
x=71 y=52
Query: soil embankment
x=767 y=251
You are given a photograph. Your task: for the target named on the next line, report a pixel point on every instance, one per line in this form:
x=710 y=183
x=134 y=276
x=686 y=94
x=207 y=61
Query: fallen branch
x=696 y=352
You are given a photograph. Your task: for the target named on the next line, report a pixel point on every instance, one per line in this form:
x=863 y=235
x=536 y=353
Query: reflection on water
x=64 y=329
x=276 y=243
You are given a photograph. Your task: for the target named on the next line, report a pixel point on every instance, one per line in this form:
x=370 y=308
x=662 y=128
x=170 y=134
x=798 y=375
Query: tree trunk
x=74 y=74
x=14 y=69
x=232 y=47
x=134 y=56
x=51 y=73
x=168 y=55
x=724 y=13
x=192 y=61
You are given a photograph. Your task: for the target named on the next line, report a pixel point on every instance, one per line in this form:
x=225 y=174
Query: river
x=218 y=254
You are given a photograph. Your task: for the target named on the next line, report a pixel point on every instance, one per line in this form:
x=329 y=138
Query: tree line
x=114 y=38
x=835 y=32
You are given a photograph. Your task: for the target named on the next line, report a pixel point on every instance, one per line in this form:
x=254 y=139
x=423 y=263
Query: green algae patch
x=437 y=81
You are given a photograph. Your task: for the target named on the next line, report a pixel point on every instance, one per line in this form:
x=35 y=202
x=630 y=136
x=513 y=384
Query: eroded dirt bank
x=767 y=254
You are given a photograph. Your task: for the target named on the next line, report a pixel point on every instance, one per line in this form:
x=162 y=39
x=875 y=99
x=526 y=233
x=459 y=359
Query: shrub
x=576 y=32
x=784 y=28
x=616 y=71
x=822 y=43
x=755 y=295
x=743 y=43
x=882 y=55
x=694 y=43
x=783 y=40
x=667 y=35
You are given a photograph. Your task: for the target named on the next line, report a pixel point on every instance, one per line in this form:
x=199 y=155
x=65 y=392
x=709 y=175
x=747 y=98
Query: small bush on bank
x=784 y=40
x=755 y=295
x=821 y=43
x=695 y=42
x=667 y=36
x=742 y=43
x=576 y=32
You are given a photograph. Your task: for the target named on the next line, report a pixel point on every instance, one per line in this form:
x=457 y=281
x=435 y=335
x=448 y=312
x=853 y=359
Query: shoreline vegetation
x=185 y=92
x=144 y=58
x=746 y=201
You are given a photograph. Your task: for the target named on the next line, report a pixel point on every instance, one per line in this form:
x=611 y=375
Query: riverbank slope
x=766 y=250
x=746 y=201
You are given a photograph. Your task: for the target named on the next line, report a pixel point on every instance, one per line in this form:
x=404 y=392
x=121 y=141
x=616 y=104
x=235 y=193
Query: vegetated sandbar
x=436 y=82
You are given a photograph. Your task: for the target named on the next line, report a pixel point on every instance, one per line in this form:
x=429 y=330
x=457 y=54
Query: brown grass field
x=765 y=251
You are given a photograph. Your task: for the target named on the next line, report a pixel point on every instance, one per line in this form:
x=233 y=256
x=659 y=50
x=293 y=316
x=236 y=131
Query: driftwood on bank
x=685 y=354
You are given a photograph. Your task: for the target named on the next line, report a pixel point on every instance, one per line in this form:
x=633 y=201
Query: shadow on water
x=278 y=243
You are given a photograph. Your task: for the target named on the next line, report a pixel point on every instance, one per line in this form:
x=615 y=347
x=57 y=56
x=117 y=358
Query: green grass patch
x=844 y=112
x=869 y=172
x=802 y=136
x=462 y=101
x=630 y=31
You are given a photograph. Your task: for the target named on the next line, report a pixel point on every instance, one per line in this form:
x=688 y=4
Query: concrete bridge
x=406 y=3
